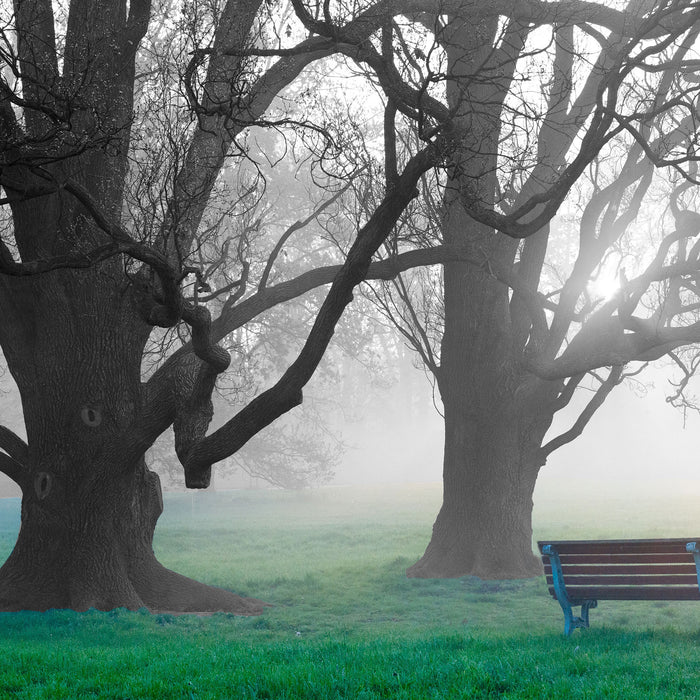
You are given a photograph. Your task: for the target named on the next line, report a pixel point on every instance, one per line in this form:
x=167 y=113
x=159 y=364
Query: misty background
x=391 y=432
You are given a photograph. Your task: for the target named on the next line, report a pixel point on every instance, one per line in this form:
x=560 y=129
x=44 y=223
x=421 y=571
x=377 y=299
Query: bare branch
x=418 y=338
x=605 y=343
x=567 y=393
x=582 y=421
x=688 y=374
x=14 y=445
x=297 y=226
x=535 y=12
x=14 y=470
x=386 y=269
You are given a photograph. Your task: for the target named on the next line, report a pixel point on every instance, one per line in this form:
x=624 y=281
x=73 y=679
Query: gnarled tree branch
x=611 y=381
x=287 y=392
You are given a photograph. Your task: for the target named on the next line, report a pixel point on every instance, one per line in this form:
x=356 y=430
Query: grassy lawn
x=347 y=623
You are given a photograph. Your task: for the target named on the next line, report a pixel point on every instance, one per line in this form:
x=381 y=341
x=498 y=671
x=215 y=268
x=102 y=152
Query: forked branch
x=298 y=226
x=612 y=380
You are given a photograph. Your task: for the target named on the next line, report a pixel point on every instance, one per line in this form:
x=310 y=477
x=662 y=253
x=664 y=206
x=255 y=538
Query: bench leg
x=571 y=621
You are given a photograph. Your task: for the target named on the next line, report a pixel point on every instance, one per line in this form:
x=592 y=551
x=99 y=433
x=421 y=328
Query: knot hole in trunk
x=91 y=416
x=42 y=485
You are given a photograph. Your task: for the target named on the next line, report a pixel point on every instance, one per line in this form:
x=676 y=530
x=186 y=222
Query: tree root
x=434 y=564
x=145 y=584
x=164 y=590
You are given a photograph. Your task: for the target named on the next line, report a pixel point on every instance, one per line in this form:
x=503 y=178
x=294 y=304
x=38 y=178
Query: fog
x=633 y=440
x=635 y=436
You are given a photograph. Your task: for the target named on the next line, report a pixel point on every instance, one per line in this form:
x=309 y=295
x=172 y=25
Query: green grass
x=347 y=623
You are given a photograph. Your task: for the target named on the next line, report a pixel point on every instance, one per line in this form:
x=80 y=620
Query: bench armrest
x=692 y=547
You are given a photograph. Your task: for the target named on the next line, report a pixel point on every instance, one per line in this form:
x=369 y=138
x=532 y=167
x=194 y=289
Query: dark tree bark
x=74 y=326
x=89 y=509
x=490 y=466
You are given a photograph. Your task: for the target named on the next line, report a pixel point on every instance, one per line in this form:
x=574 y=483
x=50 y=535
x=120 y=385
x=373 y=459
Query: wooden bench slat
x=631 y=593
x=632 y=542
x=675 y=545
x=623 y=569
x=642 y=580
x=672 y=557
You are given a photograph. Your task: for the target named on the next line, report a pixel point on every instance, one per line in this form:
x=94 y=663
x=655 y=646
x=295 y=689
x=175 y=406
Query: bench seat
x=582 y=572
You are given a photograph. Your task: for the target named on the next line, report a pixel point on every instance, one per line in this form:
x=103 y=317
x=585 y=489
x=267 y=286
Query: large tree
x=515 y=330
x=120 y=125
x=86 y=277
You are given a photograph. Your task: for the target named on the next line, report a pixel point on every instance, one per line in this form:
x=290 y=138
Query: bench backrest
x=625 y=569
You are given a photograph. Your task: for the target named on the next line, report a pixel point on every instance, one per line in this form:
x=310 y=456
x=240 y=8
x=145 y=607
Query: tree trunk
x=89 y=507
x=93 y=549
x=495 y=414
x=484 y=527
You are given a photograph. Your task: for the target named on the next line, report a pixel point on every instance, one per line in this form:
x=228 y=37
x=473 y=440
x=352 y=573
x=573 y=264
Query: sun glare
x=605 y=286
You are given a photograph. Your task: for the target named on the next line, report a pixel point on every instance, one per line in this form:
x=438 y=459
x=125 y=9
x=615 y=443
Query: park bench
x=580 y=573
